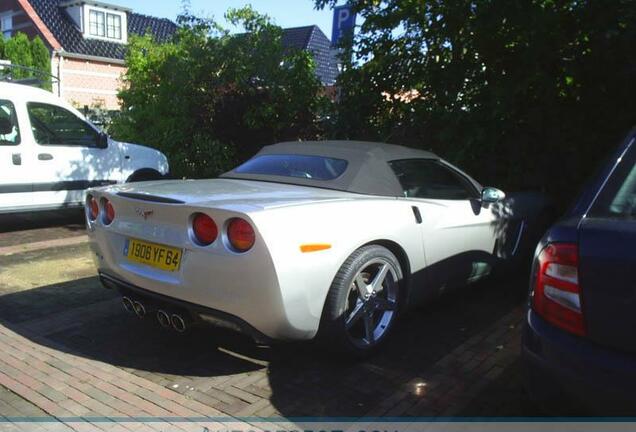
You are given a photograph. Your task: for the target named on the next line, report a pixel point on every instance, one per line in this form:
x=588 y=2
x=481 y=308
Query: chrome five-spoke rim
x=371 y=302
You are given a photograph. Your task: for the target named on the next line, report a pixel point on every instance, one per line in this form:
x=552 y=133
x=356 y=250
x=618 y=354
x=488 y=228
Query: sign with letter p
x=344 y=20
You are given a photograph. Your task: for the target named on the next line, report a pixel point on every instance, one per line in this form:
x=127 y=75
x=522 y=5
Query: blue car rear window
x=299 y=166
x=618 y=197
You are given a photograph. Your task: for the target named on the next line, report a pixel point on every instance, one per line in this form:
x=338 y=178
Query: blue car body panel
x=596 y=372
x=560 y=368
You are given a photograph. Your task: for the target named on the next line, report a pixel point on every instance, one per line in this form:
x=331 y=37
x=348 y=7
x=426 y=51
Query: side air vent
x=151 y=198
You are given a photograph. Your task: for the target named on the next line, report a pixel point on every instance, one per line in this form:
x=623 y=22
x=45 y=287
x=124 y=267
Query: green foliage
x=18 y=50
x=33 y=55
x=41 y=59
x=524 y=94
x=209 y=99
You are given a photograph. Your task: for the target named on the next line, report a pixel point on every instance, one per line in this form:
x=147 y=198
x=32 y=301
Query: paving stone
x=114 y=365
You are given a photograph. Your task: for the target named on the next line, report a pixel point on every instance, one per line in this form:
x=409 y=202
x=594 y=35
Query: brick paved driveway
x=67 y=348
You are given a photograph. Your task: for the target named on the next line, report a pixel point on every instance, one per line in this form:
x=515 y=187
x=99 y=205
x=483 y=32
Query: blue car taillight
x=557 y=296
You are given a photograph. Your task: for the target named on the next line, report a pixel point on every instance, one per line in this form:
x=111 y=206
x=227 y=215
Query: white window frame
x=4 y=18
x=111 y=20
x=123 y=20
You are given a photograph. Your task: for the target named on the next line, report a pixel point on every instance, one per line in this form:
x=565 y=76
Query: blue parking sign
x=344 y=19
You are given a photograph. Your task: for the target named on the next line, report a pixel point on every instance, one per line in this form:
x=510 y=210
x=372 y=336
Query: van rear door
x=15 y=175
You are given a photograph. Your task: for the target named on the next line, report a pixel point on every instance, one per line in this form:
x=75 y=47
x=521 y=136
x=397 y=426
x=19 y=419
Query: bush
x=18 y=50
x=41 y=60
x=527 y=94
x=209 y=99
x=32 y=55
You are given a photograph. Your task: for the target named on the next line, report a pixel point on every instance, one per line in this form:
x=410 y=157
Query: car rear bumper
x=244 y=286
x=562 y=369
x=193 y=313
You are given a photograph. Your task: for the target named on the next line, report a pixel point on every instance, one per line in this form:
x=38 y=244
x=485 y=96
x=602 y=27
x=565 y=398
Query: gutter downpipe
x=58 y=53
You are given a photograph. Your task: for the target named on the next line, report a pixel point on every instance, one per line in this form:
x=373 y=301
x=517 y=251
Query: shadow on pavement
x=303 y=379
x=71 y=219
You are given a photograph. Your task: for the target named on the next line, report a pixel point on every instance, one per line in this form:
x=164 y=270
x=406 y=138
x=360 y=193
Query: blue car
x=579 y=340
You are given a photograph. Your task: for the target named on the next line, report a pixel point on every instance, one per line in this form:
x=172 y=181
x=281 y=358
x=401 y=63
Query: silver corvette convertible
x=326 y=239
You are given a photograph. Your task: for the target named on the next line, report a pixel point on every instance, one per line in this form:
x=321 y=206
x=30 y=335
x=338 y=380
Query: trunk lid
x=222 y=193
x=607 y=259
x=607 y=275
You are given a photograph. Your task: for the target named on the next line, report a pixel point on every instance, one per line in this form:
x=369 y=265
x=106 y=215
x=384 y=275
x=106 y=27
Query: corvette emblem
x=144 y=213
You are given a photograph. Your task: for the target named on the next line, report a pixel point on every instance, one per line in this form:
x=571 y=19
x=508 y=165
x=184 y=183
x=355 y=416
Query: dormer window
x=98 y=20
x=104 y=24
x=113 y=26
x=96 y=23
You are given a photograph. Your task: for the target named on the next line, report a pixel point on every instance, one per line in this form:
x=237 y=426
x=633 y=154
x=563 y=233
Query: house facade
x=87 y=40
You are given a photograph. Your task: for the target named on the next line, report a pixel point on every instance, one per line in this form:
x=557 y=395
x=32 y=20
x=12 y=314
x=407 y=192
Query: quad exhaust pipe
x=174 y=321
x=166 y=320
x=163 y=319
x=140 y=309
x=133 y=306
x=178 y=323
x=128 y=304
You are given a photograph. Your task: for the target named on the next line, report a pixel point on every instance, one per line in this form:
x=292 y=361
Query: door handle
x=417 y=214
x=45 y=156
x=16 y=158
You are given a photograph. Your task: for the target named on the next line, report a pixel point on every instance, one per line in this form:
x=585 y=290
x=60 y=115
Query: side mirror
x=6 y=127
x=492 y=195
x=102 y=140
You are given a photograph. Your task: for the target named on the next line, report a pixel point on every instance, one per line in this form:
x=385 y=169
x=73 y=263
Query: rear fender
x=305 y=277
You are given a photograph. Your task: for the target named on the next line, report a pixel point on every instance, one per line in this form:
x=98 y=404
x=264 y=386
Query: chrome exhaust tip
x=178 y=323
x=128 y=304
x=163 y=318
x=140 y=309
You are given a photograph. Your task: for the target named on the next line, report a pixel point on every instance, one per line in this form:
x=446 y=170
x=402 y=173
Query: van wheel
x=363 y=302
x=144 y=175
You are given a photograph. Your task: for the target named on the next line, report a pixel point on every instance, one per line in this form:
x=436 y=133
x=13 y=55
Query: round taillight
x=93 y=207
x=204 y=229
x=240 y=234
x=109 y=212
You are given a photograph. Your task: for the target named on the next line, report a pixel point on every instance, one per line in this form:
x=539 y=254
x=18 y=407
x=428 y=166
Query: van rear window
x=9 y=130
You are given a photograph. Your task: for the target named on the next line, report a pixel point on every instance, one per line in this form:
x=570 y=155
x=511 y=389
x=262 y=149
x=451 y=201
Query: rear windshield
x=299 y=166
x=618 y=197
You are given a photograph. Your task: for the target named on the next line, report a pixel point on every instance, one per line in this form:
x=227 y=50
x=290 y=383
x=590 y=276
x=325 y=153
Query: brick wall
x=89 y=83
x=83 y=82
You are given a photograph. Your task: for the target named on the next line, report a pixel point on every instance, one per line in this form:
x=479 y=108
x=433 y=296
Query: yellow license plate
x=153 y=254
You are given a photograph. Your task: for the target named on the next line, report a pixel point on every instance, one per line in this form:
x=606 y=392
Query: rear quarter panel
x=346 y=225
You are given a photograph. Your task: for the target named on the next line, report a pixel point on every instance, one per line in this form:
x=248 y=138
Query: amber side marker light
x=314 y=247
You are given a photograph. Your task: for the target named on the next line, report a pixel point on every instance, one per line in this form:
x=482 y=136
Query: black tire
x=339 y=326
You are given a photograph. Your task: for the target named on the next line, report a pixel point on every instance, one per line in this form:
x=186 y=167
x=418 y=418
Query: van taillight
x=557 y=295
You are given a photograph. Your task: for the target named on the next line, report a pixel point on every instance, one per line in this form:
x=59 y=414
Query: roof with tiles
x=314 y=40
x=63 y=28
x=72 y=41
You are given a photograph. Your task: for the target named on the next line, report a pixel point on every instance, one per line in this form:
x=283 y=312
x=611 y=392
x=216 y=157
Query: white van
x=49 y=153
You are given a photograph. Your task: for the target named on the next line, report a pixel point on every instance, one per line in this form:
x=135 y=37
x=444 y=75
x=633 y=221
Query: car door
x=15 y=172
x=607 y=258
x=70 y=156
x=457 y=229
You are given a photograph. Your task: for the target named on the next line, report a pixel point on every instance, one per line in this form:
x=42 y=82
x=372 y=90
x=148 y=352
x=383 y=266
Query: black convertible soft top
x=367 y=172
